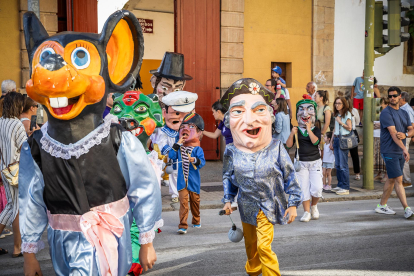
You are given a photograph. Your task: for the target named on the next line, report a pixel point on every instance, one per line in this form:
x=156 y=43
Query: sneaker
x=342 y=192
x=360 y=124
x=7 y=232
x=196 y=225
x=182 y=231
x=2 y=236
x=327 y=188
x=407 y=185
x=336 y=189
x=357 y=177
x=165 y=183
x=174 y=199
x=314 y=212
x=408 y=213
x=384 y=209
x=306 y=217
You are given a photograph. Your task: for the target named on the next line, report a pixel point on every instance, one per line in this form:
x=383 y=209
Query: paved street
x=349 y=239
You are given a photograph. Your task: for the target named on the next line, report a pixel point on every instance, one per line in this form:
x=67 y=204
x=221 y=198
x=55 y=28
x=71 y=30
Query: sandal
x=3 y=251
x=17 y=255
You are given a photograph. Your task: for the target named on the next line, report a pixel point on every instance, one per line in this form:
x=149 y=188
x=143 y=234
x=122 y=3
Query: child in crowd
x=328 y=162
x=189 y=157
x=276 y=72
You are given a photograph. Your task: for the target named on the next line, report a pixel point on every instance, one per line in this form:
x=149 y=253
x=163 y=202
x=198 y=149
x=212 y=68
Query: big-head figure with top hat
x=169 y=77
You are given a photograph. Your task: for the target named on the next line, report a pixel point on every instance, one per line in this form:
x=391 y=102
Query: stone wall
x=232 y=38
x=48 y=17
x=323 y=45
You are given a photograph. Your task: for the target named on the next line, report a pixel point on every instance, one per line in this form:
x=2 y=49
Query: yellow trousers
x=258 y=243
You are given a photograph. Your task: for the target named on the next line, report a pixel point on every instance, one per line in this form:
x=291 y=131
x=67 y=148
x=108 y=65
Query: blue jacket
x=193 y=183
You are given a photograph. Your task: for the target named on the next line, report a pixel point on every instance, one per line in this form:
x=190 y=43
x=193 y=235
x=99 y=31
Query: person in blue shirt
x=396 y=126
x=188 y=156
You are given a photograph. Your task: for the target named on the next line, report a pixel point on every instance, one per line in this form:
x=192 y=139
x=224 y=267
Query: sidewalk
x=212 y=189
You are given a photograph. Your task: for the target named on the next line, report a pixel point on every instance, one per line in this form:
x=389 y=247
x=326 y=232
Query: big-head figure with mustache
x=80 y=176
x=258 y=169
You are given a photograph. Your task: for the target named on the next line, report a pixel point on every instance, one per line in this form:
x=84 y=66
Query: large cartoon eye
x=164 y=88
x=80 y=58
x=117 y=109
x=177 y=89
x=140 y=109
x=45 y=53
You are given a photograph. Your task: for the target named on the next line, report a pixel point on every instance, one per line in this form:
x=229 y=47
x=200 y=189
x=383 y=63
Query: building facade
x=223 y=41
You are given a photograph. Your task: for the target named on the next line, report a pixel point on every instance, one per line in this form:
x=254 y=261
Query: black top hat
x=172 y=67
x=246 y=86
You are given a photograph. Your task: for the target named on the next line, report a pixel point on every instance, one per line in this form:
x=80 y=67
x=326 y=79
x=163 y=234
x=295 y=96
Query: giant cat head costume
x=71 y=72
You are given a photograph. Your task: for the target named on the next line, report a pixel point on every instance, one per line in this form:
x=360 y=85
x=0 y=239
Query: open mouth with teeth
x=305 y=119
x=137 y=131
x=252 y=133
x=62 y=105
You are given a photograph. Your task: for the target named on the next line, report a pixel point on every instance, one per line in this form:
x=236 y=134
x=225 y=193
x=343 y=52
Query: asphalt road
x=348 y=239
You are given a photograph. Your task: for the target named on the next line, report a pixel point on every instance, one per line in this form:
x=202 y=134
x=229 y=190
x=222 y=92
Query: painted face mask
x=250 y=122
x=173 y=118
x=170 y=76
x=192 y=129
x=138 y=113
x=306 y=111
x=191 y=135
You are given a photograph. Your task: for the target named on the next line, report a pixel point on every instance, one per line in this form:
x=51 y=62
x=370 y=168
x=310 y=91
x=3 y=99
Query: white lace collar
x=59 y=150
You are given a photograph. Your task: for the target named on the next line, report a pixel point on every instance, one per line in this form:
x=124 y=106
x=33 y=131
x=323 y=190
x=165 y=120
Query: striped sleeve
x=20 y=135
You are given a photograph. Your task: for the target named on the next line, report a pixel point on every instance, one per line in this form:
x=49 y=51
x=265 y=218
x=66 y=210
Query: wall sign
x=147 y=25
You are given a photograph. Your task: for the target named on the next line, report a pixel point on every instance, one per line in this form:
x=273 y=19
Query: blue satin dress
x=43 y=191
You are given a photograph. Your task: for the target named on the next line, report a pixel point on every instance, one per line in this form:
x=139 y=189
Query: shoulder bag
x=348 y=141
x=11 y=172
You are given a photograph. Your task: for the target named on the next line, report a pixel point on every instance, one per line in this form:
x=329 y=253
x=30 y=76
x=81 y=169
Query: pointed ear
x=124 y=43
x=34 y=33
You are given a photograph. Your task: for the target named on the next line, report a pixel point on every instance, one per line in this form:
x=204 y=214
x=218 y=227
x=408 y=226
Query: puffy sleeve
x=230 y=190
x=291 y=183
x=198 y=154
x=144 y=192
x=32 y=209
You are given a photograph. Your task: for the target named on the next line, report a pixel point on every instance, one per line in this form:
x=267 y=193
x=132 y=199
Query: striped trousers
x=9 y=213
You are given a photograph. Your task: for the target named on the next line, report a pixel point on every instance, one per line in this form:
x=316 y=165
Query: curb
x=216 y=204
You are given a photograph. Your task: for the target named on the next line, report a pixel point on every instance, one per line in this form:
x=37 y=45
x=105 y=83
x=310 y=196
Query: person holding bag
x=12 y=136
x=343 y=140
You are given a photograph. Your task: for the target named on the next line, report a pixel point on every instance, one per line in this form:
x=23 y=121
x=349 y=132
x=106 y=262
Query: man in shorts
x=358 y=94
x=396 y=126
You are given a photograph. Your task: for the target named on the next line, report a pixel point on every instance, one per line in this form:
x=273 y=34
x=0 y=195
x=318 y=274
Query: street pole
x=368 y=173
